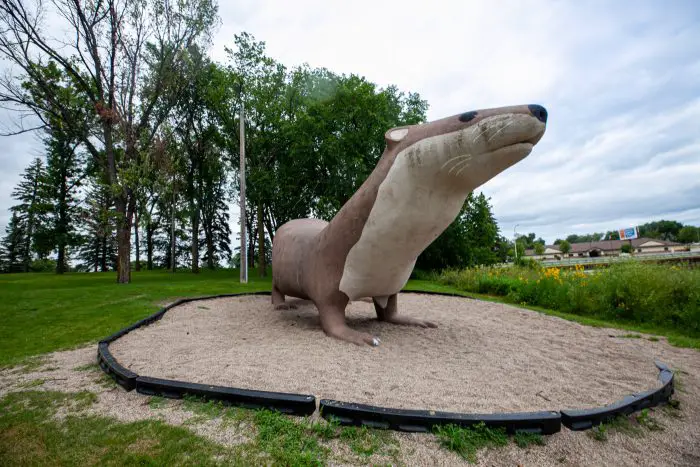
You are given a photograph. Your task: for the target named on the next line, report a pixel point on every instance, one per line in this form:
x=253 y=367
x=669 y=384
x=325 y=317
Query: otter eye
x=467 y=116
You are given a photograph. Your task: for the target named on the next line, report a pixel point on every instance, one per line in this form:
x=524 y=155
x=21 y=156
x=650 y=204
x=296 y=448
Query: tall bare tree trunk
x=149 y=246
x=62 y=227
x=123 y=240
x=262 y=272
x=137 y=266
x=210 y=248
x=250 y=255
x=103 y=256
x=97 y=254
x=195 y=243
x=122 y=205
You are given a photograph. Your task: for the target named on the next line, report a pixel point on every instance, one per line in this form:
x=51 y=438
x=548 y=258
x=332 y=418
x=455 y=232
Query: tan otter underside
x=414 y=205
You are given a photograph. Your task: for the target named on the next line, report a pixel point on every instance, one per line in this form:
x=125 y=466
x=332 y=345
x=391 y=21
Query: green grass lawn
x=44 y=312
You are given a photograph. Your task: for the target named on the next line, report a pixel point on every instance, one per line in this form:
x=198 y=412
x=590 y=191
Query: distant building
x=608 y=248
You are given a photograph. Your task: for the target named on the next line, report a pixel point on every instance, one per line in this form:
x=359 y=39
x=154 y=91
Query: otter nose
x=539 y=112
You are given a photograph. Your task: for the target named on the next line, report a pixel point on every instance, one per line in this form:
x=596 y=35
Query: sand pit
x=484 y=357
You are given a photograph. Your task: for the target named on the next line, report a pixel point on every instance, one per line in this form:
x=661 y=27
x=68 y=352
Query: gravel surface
x=483 y=357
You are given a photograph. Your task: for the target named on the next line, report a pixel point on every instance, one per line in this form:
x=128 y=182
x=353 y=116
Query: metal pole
x=244 y=255
x=515 y=242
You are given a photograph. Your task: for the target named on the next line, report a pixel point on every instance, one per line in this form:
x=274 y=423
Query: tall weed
x=631 y=291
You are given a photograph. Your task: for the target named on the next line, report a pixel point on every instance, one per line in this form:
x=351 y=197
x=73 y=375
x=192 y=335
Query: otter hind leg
x=389 y=313
x=278 y=300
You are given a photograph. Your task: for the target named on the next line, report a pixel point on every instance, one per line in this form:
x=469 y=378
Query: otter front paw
x=356 y=337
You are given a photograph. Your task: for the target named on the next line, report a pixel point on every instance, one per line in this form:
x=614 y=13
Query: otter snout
x=539 y=112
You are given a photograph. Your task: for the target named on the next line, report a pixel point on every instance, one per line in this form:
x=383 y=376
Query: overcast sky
x=620 y=79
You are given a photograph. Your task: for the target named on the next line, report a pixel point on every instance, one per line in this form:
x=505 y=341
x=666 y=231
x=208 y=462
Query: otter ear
x=395 y=135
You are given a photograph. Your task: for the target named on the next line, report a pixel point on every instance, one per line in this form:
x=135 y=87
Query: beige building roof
x=605 y=245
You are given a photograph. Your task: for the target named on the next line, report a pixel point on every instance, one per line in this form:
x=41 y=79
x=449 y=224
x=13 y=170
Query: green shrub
x=43 y=265
x=631 y=291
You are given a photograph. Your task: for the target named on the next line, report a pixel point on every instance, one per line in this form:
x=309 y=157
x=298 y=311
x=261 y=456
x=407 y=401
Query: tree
x=98 y=244
x=31 y=211
x=612 y=235
x=565 y=246
x=529 y=240
x=470 y=240
x=312 y=136
x=689 y=234
x=203 y=171
x=663 y=229
x=118 y=55
x=12 y=246
x=64 y=174
x=626 y=248
x=539 y=248
x=594 y=237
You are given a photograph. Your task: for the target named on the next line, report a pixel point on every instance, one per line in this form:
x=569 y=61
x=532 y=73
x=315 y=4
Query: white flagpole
x=244 y=255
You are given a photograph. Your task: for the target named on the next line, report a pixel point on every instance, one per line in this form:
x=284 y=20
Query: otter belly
x=414 y=205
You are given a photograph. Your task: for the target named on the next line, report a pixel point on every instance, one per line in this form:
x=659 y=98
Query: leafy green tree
x=626 y=248
x=197 y=134
x=12 y=246
x=612 y=235
x=663 y=230
x=689 y=234
x=470 y=240
x=565 y=246
x=504 y=249
x=312 y=136
x=120 y=56
x=529 y=240
x=539 y=248
x=594 y=237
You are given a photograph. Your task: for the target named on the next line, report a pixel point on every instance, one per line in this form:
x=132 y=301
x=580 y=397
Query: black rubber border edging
x=545 y=422
x=295 y=404
x=584 y=419
x=122 y=376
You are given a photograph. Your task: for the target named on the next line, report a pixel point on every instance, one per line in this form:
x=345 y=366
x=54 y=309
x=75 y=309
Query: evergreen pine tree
x=63 y=178
x=31 y=211
x=12 y=246
x=98 y=250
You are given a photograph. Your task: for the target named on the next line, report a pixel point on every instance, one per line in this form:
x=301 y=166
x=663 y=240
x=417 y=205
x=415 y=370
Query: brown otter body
x=416 y=190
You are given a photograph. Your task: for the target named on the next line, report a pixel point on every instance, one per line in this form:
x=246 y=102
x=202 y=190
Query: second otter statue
x=415 y=192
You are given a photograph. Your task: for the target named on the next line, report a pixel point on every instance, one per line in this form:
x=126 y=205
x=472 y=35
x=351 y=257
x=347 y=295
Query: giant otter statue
x=415 y=192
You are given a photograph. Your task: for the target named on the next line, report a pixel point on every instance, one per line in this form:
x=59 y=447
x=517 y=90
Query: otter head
x=466 y=150
x=422 y=181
